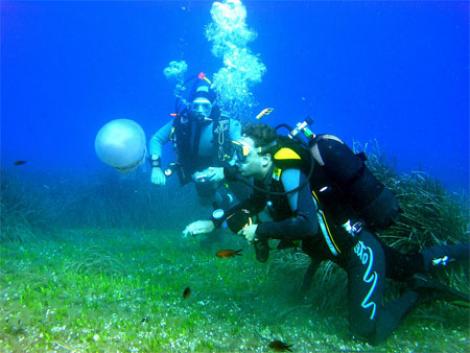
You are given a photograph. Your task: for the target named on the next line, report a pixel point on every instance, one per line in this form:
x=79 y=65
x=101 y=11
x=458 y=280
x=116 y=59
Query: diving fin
x=431 y=289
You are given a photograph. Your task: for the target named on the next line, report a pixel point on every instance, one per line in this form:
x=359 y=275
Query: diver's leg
x=261 y=250
x=309 y=274
x=440 y=256
x=370 y=319
x=415 y=269
x=315 y=250
x=261 y=246
x=401 y=267
x=365 y=287
x=430 y=289
x=393 y=313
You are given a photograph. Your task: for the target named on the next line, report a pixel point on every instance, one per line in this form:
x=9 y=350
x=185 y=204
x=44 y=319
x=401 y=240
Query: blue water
x=397 y=72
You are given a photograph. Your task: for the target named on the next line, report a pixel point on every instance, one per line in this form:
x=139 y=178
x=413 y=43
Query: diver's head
x=254 y=150
x=201 y=108
x=121 y=144
x=202 y=100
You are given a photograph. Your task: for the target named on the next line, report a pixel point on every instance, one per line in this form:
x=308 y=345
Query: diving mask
x=201 y=108
x=241 y=150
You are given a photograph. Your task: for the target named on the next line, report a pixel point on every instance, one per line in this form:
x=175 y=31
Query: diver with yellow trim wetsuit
x=282 y=186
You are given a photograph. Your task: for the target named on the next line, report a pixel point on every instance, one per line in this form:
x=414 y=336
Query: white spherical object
x=121 y=144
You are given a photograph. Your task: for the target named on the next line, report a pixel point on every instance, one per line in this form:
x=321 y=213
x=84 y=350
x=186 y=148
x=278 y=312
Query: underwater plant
x=430 y=213
x=23 y=212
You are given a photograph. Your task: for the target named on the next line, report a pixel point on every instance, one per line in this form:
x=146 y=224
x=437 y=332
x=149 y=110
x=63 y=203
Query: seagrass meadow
x=102 y=102
x=100 y=265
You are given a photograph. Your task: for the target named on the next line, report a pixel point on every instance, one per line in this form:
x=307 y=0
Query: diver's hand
x=211 y=174
x=198 y=227
x=158 y=177
x=249 y=232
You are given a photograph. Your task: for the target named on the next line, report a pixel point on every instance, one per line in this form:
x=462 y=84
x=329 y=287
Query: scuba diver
x=202 y=138
x=304 y=191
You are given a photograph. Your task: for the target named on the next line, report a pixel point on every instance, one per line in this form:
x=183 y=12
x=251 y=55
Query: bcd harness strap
x=220 y=128
x=325 y=229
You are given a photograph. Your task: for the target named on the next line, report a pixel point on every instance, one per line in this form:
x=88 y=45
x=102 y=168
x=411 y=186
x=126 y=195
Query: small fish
x=186 y=293
x=19 y=162
x=279 y=346
x=264 y=112
x=225 y=253
x=144 y=320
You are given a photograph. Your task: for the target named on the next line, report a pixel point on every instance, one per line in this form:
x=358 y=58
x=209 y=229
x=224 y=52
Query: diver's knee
x=364 y=332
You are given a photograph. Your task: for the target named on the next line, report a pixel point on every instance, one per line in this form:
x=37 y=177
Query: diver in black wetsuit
x=282 y=185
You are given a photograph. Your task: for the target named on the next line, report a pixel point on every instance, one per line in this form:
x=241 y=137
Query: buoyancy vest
x=186 y=137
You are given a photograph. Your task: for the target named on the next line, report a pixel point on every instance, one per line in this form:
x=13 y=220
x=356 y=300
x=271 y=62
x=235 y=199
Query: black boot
x=439 y=256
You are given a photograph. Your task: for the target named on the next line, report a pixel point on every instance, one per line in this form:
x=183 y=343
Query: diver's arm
x=303 y=224
x=161 y=137
x=157 y=141
x=232 y=215
x=250 y=206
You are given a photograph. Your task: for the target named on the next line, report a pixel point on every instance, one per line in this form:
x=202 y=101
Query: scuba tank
x=345 y=175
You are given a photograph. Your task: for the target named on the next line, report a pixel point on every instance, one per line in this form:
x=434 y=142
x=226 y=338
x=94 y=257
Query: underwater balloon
x=121 y=144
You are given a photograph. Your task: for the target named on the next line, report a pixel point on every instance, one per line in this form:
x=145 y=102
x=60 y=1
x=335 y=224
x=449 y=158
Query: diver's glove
x=211 y=174
x=158 y=177
x=249 y=232
x=198 y=227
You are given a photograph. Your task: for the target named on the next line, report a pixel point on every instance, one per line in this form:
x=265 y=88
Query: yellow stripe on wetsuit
x=330 y=241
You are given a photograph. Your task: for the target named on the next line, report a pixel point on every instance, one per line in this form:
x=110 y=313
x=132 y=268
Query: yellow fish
x=264 y=112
